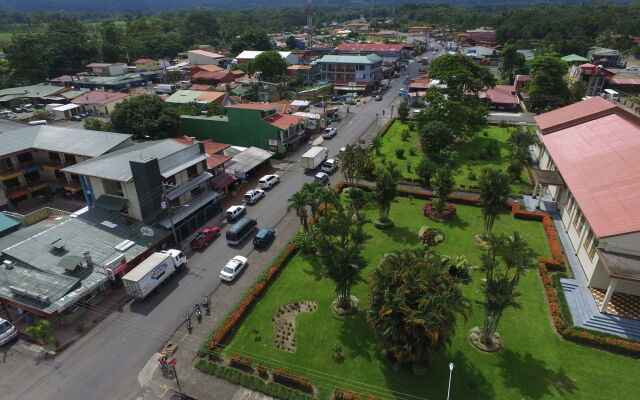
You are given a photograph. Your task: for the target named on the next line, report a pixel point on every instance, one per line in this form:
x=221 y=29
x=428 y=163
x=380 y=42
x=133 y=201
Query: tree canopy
x=547 y=86
x=145 y=116
x=461 y=74
x=270 y=64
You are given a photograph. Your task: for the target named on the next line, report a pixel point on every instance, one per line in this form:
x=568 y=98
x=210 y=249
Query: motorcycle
x=163 y=363
x=206 y=305
x=197 y=312
x=188 y=321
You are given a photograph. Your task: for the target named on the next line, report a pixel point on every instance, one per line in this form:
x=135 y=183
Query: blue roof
x=7 y=222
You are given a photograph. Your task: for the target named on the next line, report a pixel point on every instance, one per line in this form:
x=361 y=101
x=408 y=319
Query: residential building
x=31 y=160
x=501 y=97
x=269 y=91
x=358 y=26
x=204 y=57
x=64 y=80
x=197 y=96
x=108 y=69
x=216 y=163
x=595 y=77
x=194 y=69
x=626 y=85
x=385 y=34
x=483 y=55
x=605 y=57
x=483 y=35
x=160 y=182
x=251 y=124
x=97 y=102
x=590 y=151
x=213 y=78
x=384 y=50
x=146 y=64
x=65 y=111
x=10 y=97
x=249 y=55
x=125 y=81
x=350 y=73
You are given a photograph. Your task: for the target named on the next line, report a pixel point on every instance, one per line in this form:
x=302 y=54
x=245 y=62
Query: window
x=576 y=219
x=32 y=176
x=55 y=157
x=590 y=244
x=25 y=158
x=69 y=159
x=5 y=164
x=192 y=172
x=112 y=188
x=570 y=203
x=171 y=181
x=196 y=192
x=581 y=224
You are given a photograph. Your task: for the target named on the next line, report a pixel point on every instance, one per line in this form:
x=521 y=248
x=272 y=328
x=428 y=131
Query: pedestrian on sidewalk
x=383 y=113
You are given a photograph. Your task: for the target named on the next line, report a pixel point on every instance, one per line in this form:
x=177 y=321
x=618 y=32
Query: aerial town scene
x=299 y=200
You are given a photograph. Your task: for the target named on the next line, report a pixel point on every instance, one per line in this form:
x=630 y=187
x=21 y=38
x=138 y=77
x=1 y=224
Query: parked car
x=378 y=98
x=39 y=106
x=632 y=68
x=263 y=237
x=28 y=108
x=235 y=212
x=17 y=110
x=75 y=118
x=268 y=181
x=342 y=149
x=253 y=196
x=321 y=178
x=8 y=332
x=328 y=133
x=204 y=237
x=83 y=115
x=330 y=166
x=233 y=268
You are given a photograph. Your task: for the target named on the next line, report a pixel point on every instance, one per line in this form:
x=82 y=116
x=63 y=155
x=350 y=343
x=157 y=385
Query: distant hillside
x=151 y=5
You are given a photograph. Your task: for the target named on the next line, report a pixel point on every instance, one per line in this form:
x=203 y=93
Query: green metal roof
x=601 y=51
x=368 y=59
x=33 y=91
x=184 y=96
x=574 y=58
x=41 y=269
x=239 y=91
x=60 y=139
x=115 y=165
x=7 y=222
x=111 y=80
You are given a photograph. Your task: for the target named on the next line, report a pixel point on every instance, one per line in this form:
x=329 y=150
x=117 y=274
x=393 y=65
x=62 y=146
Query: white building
x=249 y=55
x=203 y=57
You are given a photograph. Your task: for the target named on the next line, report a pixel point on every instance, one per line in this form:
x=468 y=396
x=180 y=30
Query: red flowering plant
x=431 y=211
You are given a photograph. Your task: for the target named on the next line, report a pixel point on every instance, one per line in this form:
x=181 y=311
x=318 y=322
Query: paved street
x=106 y=362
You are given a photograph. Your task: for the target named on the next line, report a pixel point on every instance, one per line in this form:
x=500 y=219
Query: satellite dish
x=146 y=231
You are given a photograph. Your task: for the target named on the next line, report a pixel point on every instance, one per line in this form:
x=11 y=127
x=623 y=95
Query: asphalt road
x=105 y=362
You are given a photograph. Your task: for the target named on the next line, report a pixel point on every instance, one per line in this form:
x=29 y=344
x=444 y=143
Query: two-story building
x=350 y=73
x=251 y=124
x=204 y=57
x=32 y=159
x=605 y=57
x=387 y=51
x=595 y=77
x=160 y=182
x=98 y=102
x=590 y=150
x=146 y=64
x=108 y=69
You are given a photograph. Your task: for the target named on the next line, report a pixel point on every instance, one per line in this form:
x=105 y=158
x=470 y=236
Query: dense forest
x=48 y=44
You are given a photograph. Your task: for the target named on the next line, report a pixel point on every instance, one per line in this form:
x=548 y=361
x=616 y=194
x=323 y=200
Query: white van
x=38 y=122
x=611 y=95
x=8 y=332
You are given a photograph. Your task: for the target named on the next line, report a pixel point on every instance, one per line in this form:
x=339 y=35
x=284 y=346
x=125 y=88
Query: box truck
x=151 y=272
x=314 y=157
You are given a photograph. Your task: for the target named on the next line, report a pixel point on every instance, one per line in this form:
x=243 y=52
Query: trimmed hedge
x=251 y=381
x=341 y=394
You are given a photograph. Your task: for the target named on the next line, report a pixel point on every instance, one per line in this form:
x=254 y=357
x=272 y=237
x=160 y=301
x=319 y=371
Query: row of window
x=579 y=223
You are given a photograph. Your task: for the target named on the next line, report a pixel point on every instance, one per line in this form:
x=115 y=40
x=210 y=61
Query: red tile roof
x=421 y=83
x=218 y=75
x=284 y=121
x=598 y=160
x=212 y=97
x=501 y=94
x=200 y=87
x=217 y=160
x=143 y=60
x=357 y=47
x=574 y=113
x=255 y=106
x=99 y=97
x=211 y=148
x=625 y=81
x=206 y=67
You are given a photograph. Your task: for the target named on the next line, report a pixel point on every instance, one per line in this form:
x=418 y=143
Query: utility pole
x=309 y=23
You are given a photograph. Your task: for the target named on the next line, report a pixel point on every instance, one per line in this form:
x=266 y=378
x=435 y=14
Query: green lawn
x=469 y=154
x=535 y=364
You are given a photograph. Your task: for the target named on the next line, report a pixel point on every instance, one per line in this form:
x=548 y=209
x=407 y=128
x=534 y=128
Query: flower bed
x=557 y=263
x=291 y=379
x=622 y=346
x=341 y=394
x=429 y=212
x=236 y=315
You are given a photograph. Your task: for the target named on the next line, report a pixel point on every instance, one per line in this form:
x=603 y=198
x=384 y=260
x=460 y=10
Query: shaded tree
x=403 y=111
x=494 y=192
x=145 y=116
x=511 y=63
x=111 y=42
x=298 y=203
x=463 y=117
x=29 y=58
x=547 y=86
x=200 y=27
x=435 y=137
x=71 y=46
x=270 y=64
x=95 y=124
x=443 y=184
x=414 y=304
x=291 y=42
x=461 y=74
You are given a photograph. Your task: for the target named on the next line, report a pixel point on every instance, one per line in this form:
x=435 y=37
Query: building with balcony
x=350 y=73
x=161 y=183
x=251 y=124
x=31 y=160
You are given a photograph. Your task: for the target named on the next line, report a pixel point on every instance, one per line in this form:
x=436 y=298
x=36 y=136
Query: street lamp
x=450 y=371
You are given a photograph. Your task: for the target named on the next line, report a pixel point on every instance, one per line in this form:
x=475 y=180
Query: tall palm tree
x=376 y=144
x=494 y=192
x=414 y=304
x=501 y=282
x=311 y=191
x=387 y=179
x=326 y=197
x=298 y=202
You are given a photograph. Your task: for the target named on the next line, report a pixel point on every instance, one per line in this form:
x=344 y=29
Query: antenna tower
x=309 y=22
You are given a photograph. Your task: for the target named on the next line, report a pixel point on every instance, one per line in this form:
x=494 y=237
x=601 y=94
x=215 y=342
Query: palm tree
x=311 y=191
x=349 y=163
x=413 y=304
x=298 y=202
x=387 y=179
x=376 y=144
x=500 y=282
x=443 y=184
x=326 y=197
x=339 y=244
x=494 y=191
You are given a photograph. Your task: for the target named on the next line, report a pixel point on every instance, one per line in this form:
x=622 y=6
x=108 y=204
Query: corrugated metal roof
x=33 y=91
x=368 y=59
x=248 y=159
x=184 y=96
x=60 y=139
x=39 y=268
x=115 y=165
x=7 y=222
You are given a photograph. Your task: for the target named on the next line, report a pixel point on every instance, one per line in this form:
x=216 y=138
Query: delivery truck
x=314 y=157
x=151 y=272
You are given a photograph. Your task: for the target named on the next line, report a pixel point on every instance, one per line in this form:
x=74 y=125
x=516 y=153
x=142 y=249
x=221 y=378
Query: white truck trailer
x=151 y=272
x=314 y=157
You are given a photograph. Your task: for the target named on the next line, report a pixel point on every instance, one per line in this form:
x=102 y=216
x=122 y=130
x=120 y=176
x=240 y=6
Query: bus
x=240 y=231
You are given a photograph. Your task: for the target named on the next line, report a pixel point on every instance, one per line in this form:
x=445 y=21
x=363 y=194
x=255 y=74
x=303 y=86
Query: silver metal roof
x=247 y=160
x=64 y=140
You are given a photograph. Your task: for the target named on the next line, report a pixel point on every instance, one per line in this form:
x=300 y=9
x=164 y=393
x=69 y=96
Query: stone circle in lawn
x=284 y=322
